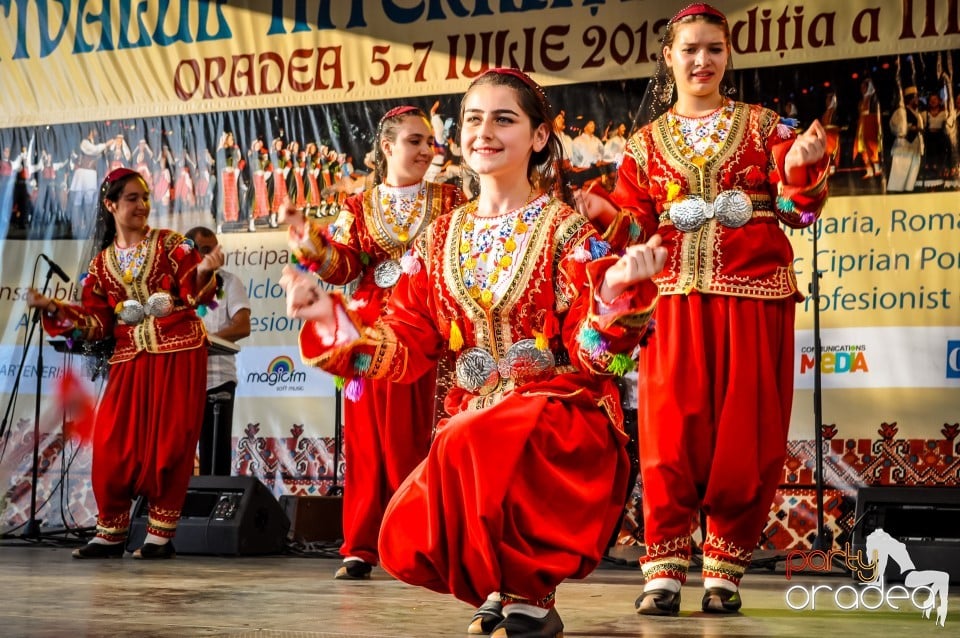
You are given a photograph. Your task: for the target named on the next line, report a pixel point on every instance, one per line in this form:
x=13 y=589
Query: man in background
x=230 y=320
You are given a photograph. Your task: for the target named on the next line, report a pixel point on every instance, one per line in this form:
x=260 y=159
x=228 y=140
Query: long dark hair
x=545 y=170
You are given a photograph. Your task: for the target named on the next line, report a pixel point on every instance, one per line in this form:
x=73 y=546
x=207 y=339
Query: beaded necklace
x=131 y=259
x=488 y=245
x=699 y=139
x=401 y=207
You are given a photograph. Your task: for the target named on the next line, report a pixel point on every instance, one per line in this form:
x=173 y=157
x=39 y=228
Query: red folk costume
x=535 y=440
x=387 y=431
x=148 y=422
x=716 y=383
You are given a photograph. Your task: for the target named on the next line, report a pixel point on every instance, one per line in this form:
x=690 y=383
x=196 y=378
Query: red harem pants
x=513 y=498
x=716 y=390
x=386 y=434
x=145 y=438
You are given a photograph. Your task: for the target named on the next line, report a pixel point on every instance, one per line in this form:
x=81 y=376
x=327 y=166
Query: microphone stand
x=824 y=539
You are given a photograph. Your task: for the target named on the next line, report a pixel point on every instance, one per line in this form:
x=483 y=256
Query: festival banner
x=82 y=61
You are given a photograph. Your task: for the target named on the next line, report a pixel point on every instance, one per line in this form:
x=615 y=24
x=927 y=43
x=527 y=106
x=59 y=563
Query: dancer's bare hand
x=639 y=263
x=305 y=298
x=809 y=148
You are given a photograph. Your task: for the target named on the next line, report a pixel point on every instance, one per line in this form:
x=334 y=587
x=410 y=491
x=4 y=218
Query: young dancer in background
x=142 y=288
x=387 y=425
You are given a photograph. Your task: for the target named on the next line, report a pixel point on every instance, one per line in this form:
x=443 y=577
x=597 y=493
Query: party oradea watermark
x=925 y=591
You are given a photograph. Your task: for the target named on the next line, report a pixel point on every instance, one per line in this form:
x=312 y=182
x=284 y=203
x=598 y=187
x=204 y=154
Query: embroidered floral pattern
x=488 y=246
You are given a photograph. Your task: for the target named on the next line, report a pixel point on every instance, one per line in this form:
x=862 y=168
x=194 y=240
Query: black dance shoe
x=99 y=550
x=717 y=600
x=152 y=551
x=658 y=602
x=486 y=618
x=517 y=625
x=354 y=570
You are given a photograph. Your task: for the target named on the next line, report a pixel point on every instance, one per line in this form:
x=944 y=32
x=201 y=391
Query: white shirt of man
x=587 y=150
x=223 y=367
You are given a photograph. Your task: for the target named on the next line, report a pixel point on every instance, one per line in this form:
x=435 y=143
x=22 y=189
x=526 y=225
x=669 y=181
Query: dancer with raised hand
x=143 y=288
x=521 y=289
x=387 y=425
x=714 y=177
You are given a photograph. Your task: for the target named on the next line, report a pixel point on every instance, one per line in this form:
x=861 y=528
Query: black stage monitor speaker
x=314 y=518
x=222 y=515
x=925 y=519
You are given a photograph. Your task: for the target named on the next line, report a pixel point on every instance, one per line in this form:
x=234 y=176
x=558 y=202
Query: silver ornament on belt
x=732 y=208
x=131 y=312
x=476 y=371
x=159 y=304
x=523 y=360
x=387 y=273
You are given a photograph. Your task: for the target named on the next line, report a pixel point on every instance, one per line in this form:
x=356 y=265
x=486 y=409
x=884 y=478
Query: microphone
x=57 y=270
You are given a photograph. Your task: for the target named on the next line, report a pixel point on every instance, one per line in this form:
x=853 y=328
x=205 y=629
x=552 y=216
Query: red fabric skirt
x=715 y=395
x=515 y=497
x=386 y=434
x=147 y=428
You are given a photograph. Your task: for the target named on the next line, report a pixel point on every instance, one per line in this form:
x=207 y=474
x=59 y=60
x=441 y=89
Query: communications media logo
x=836 y=359
x=953 y=359
x=280 y=374
x=924 y=590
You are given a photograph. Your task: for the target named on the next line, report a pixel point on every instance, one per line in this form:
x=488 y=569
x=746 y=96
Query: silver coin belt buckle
x=478 y=372
x=132 y=312
x=732 y=208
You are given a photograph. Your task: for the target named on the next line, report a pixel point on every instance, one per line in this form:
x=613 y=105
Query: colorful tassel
x=339 y=382
x=634 y=231
x=361 y=362
x=620 y=365
x=541 y=340
x=409 y=264
x=581 y=254
x=598 y=248
x=365 y=258
x=807 y=217
x=354 y=389
x=201 y=311
x=591 y=341
x=456 y=337
x=784 y=204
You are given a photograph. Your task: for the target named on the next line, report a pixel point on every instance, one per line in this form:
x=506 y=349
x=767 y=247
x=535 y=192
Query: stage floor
x=48 y=594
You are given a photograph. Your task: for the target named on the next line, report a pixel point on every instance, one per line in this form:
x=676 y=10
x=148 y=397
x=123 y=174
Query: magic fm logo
x=925 y=590
x=280 y=373
x=837 y=359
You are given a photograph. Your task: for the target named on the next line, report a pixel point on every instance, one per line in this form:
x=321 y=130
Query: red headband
x=118 y=174
x=517 y=73
x=520 y=75
x=698 y=9
x=398 y=110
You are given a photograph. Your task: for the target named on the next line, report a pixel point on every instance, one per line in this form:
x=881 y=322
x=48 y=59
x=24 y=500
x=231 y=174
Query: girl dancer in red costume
x=387 y=425
x=520 y=288
x=714 y=177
